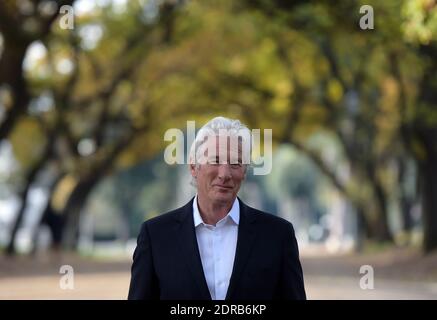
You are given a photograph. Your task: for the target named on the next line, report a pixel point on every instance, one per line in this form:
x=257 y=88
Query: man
x=216 y=247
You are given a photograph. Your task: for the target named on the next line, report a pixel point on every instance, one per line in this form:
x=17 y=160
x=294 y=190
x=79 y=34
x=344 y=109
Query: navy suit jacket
x=167 y=264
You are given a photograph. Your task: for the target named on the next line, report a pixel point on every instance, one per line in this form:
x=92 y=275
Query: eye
x=236 y=165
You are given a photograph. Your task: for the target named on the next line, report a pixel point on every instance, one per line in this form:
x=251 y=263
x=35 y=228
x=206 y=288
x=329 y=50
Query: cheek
x=238 y=177
x=212 y=174
x=206 y=178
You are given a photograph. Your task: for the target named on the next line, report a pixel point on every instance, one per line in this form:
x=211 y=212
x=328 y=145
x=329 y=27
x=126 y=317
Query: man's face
x=220 y=173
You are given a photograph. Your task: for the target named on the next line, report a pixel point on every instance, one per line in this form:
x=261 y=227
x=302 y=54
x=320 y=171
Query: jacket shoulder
x=269 y=219
x=163 y=220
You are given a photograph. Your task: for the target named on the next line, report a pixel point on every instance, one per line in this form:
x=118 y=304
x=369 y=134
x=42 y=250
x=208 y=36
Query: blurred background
x=88 y=90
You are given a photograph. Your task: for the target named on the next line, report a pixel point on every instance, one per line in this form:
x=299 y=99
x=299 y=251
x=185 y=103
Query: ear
x=193 y=170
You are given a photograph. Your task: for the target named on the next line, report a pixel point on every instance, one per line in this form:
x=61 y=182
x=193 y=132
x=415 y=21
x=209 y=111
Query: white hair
x=215 y=127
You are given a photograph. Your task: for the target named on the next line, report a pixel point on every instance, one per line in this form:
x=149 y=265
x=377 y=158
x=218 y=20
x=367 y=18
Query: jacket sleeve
x=292 y=283
x=143 y=284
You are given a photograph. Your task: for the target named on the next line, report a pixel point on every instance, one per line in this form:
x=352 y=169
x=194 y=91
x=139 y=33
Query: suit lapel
x=190 y=249
x=246 y=236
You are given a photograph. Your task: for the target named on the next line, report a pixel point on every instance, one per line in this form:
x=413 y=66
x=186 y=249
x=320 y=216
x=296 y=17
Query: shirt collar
x=234 y=213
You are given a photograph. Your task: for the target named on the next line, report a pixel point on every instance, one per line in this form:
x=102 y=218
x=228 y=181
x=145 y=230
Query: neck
x=211 y=212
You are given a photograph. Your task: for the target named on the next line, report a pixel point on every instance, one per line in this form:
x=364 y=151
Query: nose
x=224 y=172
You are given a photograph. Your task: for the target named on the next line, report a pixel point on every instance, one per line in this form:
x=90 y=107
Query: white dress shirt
x=217 y=245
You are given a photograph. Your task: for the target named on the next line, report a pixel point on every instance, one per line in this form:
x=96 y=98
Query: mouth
x=223 y=187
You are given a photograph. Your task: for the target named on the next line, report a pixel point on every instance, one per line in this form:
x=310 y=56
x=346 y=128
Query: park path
x=398 y=275
x=115 y=286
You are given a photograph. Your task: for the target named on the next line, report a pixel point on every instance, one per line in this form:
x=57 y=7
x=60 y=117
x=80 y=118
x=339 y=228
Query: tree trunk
x=383 y=233
x=30 y=179
x=72 y=211
x=363 y=230
x=10 y=249
x=50 y=218
x=405 y=201
x=426 y=131
x=12 y=74
x=82 y=190
x=429 y=201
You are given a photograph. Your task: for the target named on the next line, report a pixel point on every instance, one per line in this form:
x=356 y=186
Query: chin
x=224 y=197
